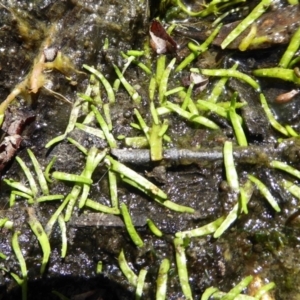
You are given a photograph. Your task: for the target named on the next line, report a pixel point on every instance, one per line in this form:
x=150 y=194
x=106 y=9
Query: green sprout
x=71 y=200
x=285 y=167
x=106 y=84
x=291 y=187
x=39 y=173
x=130 y=89
x=130 y=227
x=71 y=177
x=265 y=192
x=190 y=117
x=230 y=218
x=109 y=137
x=14 y=194
x=177 y=207
x=182 y=267
x=152 y=88
x=201 y=231
x=154 y=229
x=106 y=110
x=155 y=141
x=167 y=203
x=210 y=8
x=49 y=198
x=140 y=180
x=63 y=229
x=137 y=142
x=259 y=294
x=235 y=212
x=235 y=291
x=208 y=293
x=42 y=237
x=92 y=89
x=142 y=123
x=136 y=53
x=219 y=87
x=188 y=103
x=291 y=50
x=140 y=284
x=21 y=281
x=163 y=83
x=236 y=123
x=92 y=161
x=197 y=50
x=229 y=73
x=233 y=182
x=72 y=121
x=31 y=181
x=112 y=178
x=274 y=123
x=30 y=194
x=280 y=73
x=291 y=131
x=162 y=279
x=160 y=68
x=102 y=208
x=48 y=168
x=18 y=186
x=174 y=91
x=79 y=146
x=99 y=267
x=231 y=173
x=212 y=107
x=246 y=22
x=129 y=274
x=6 y=223
x=71 y=196
x=94 y=131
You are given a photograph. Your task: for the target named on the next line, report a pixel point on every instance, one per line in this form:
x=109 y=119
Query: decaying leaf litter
x=218 y=187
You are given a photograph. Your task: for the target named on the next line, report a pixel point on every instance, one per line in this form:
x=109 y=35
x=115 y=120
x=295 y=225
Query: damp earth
x=262 y=243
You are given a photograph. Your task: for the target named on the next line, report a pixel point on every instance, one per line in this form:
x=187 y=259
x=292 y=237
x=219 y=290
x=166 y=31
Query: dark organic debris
x=161 y=41
x=13 y=125
x=199 y=81
x=8 y=149
x=286 y=97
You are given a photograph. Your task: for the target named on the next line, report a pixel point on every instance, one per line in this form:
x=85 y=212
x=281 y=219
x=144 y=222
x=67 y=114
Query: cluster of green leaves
x=235 y=292
x=154 y=137
x=286 y=65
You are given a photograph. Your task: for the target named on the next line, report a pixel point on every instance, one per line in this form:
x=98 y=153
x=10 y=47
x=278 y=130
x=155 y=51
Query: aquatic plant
x=153 y=134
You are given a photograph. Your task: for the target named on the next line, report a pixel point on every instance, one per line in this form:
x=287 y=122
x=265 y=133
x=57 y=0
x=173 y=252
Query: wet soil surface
x=262 y=243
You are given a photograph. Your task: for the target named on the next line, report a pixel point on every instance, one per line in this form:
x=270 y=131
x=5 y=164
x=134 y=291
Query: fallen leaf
x=161 y=41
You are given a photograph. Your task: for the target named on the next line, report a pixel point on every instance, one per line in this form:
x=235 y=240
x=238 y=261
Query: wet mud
x=262 y=243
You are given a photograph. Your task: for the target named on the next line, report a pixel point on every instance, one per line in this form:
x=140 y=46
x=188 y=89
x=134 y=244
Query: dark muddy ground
x=262 y=243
